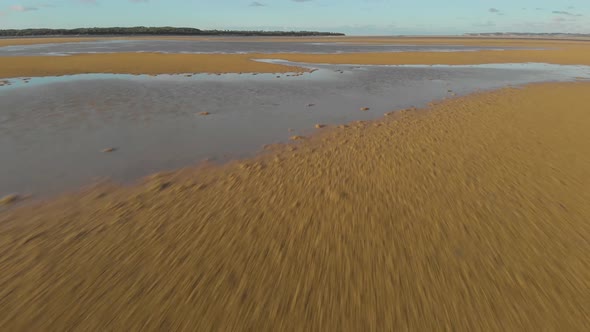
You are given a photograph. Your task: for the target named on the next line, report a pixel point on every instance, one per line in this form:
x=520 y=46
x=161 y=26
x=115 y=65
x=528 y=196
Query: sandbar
x=559 y=54
x=136 y=63
x=43 y=40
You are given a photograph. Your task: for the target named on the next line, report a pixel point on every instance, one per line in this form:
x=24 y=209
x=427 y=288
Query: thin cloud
x=496 y=11
x=562 y=12
x=20 y=8
x=257 y=4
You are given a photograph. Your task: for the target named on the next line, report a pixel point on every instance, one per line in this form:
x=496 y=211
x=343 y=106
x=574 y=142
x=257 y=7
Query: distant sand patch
x=558 y=54
x=136 y=63
x=36 y=41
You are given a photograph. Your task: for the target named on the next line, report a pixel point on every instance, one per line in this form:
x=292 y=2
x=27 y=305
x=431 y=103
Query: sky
x=353 y=17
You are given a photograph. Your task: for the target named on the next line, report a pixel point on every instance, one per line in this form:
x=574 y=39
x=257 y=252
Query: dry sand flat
x=36 y=41
x=136 y=63
x=558 y=52
x=471 y=216
x=566 y=55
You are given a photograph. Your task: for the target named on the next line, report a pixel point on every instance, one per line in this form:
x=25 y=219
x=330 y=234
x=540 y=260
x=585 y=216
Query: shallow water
x=53 y=129
x=201 y=46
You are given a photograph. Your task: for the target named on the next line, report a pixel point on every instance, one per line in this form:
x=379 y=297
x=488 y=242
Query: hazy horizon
x=352 y=17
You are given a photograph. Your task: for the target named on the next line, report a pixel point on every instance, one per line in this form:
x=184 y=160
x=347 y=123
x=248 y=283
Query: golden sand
x=562 y=55
x=473 y=216
x=36 y=41
x=135 y=63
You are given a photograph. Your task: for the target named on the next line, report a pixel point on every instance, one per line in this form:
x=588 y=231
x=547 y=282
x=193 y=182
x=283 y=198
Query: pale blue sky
x=361 y=17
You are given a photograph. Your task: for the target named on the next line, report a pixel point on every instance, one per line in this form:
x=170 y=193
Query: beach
x=470 y=213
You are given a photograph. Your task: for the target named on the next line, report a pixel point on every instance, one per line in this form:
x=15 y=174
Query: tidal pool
x=53 y=129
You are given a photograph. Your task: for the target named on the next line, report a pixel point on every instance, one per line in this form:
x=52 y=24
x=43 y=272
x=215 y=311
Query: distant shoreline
x=323 y=38
x=153 y=31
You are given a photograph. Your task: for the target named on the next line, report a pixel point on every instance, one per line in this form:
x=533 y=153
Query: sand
x=473 y=215
x=42 y=40
x=136 y=63
x=555 y=52
x=572 y=55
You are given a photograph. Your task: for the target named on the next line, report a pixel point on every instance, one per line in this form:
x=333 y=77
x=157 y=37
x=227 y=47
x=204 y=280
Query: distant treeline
x=169 y=31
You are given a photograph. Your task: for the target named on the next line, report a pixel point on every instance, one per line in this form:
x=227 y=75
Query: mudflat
x=471 y=215
x=555 y=52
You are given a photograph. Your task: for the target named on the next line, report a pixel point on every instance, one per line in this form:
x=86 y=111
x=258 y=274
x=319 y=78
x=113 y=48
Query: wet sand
x=473 y=215
x=557 y=52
